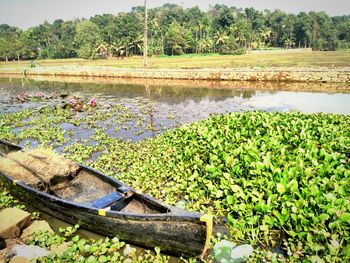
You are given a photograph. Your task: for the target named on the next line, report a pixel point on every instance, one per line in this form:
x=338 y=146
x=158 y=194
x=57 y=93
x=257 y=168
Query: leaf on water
x=323 y=217
x=335 y=244
x=281 y=188
x=316 y=259
x=345 y=217
x=219 y=194
x=235 y=188
x=210 y=168
x=230 y=199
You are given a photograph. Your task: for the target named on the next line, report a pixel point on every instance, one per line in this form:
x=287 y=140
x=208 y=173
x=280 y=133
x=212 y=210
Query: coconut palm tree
x=102 y=50
x=220 y=38
x=205 y=45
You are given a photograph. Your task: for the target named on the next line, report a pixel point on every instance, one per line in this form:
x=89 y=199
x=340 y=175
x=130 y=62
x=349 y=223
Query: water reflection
x=189 y=102
x=303 y=101
x=126 y=90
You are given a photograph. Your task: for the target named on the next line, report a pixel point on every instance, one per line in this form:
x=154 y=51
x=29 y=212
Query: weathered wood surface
x=174 y=230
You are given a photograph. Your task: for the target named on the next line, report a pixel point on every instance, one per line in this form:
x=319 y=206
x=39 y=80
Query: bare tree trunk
x=145 y=39
x=17 y=56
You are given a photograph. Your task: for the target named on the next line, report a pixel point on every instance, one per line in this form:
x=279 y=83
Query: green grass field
x=263 y=59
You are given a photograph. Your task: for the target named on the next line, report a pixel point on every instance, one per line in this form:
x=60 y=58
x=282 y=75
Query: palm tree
x=205 y=45
x=265 y=34
x=220 y=40
x=103 y=50
x=288 y=43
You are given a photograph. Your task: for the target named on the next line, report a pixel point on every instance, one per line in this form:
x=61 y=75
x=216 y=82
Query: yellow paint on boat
x=102 y=212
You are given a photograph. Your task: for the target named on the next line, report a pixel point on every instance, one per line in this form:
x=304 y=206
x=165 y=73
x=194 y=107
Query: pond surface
x=150 y=109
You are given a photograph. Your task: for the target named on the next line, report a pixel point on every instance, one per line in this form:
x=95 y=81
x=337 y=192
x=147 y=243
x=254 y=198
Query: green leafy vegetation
x=174 y=30
x=45 y=239
x=6 y=200
x=281 y=179
x=82 y=250
x=107 y=250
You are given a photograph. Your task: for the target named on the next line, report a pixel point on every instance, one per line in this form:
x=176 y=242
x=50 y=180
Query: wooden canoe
x=108 y=207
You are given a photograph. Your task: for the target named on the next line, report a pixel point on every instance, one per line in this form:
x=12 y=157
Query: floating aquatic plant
x=281 y=179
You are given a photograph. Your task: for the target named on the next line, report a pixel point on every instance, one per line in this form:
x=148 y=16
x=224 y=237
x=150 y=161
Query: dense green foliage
x=175 y=30
x=281 y=179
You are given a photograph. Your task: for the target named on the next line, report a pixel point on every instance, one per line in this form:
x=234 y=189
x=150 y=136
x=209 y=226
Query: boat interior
x=85 y=187
x=88 y=189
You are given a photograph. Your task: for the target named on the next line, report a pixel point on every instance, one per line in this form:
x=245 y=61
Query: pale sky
x=27 y=13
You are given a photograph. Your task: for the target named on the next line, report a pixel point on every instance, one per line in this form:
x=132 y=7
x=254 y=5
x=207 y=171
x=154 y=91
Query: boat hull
x=175 y=232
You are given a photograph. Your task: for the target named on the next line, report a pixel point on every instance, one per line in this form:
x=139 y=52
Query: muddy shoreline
x=256 y=74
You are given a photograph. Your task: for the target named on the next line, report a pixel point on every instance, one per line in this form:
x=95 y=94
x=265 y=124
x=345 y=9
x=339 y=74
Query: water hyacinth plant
x=281 y=179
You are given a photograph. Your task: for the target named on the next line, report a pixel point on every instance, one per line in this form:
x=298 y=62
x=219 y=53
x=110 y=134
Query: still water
x=168 y=106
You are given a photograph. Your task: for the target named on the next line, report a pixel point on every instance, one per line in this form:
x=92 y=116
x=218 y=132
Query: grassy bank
x=273 y=59
x=285 y=66
x=281 y=179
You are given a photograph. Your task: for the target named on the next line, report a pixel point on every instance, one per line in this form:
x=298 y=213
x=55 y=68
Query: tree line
x=174 y=30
